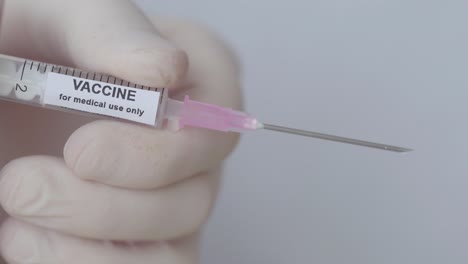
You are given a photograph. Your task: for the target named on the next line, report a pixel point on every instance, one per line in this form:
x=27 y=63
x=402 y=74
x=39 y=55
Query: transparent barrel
x=25 y=81
x=19 y=84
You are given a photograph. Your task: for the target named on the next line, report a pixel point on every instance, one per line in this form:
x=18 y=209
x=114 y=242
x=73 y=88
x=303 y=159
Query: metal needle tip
x=334 y=138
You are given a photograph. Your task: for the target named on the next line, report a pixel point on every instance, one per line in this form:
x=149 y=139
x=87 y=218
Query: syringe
x=72 y=90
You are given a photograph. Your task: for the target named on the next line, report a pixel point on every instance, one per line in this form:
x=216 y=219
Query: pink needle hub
x=197 y=114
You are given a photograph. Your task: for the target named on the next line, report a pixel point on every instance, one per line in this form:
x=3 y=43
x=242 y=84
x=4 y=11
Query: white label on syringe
x=102 y=98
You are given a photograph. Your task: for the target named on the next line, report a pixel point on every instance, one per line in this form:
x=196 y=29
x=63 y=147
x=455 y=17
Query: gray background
x=393 y=71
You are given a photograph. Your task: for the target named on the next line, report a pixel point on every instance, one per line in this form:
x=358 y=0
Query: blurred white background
x=392 y=71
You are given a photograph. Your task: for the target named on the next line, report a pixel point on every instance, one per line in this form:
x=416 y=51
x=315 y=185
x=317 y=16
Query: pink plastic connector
x=198 y=114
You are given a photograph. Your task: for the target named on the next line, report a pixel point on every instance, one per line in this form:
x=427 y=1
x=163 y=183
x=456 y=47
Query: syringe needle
x=334 y=138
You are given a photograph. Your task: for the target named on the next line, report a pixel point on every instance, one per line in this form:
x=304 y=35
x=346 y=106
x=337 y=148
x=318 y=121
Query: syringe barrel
x=78 y=91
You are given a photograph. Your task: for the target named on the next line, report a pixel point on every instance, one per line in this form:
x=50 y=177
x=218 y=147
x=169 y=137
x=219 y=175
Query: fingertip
x=75 y=145
x=150 y=60
x=98 y=151
x=81 y=147
x=179 y=61
x=141 y=57
x=162 y=68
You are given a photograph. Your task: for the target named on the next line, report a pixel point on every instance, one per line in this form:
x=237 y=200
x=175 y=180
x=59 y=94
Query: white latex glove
x=115 y=192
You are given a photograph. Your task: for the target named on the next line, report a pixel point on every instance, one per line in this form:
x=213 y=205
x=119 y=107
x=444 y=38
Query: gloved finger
x=21 y=243
x=43 y=191
x=108 y=36
x=139 y=157
x=135 y=157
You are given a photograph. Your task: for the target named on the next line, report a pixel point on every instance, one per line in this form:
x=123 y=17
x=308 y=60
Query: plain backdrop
x=392 y=71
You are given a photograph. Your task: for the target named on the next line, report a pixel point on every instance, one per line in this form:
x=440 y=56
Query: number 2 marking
x=23 y=88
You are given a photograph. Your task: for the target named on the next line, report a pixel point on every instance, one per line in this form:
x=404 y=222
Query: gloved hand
x=115 y=192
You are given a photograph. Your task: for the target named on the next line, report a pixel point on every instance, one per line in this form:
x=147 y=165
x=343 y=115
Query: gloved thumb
x=107 y=36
